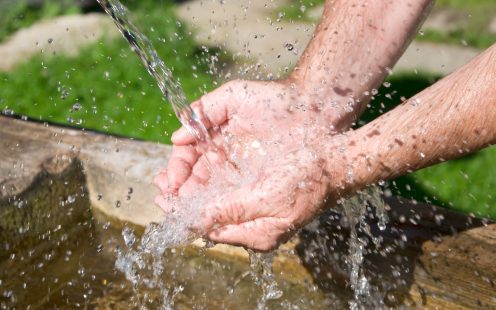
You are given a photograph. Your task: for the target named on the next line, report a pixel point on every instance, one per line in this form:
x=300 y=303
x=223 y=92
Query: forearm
x=353 y=48
x=454 y=117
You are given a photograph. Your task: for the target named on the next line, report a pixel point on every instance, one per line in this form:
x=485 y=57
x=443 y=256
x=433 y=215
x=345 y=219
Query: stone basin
x=65 y=195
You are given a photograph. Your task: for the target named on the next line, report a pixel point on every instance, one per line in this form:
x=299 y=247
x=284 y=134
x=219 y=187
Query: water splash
x=142 y=261
x=263 y=275
x=355 y=210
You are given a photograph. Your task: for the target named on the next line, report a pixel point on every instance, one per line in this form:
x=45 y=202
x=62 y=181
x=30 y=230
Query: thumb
x=213 y=109
x=237 y=207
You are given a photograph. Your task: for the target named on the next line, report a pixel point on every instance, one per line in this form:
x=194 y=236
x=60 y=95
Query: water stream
x=158 y=238
x=170 y=88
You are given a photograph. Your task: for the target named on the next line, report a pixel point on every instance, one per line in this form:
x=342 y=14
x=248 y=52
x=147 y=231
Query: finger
x=190 y=187
x=179 y=168
x=216 y=107
x=240 y=206
x=182 y=137
x=263 y=234
x=162 y=202
x=201 y=170
x=160 y=181
x=213 y=109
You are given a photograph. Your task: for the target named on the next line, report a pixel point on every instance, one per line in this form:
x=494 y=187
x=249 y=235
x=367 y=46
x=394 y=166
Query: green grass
x=15 y=15
x=461 y=36
x=296 y=10
x=466 y=184
x=473 y=32
x=115 y=93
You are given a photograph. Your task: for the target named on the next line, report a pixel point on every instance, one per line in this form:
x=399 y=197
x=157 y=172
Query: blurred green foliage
x=15 y=15
x=106 y=88
x=296 y=10
x=476 y=15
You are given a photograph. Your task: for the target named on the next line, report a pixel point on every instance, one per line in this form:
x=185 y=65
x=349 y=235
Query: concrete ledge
x=433 y=257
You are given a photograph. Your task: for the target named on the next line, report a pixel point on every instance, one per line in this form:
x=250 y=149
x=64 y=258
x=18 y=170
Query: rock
x=52 y=179
x=492 y=26
x=266 y=47
x=62 y=35
x=250 y=31
x=446 y=20
x=434 y=58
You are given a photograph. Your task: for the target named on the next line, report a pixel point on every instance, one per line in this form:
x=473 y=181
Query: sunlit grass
x=15 y=15
x=106 y=88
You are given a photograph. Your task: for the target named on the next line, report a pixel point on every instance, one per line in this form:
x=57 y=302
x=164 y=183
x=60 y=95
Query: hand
x=269 y=129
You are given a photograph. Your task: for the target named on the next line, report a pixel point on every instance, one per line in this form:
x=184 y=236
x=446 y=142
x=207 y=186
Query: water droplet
x=77 y=106
x=71 y=199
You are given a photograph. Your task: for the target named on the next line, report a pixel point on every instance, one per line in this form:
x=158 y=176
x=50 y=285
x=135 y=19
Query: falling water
x=355 y=210
x=170 y=88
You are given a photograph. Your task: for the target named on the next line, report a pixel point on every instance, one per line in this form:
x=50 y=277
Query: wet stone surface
x=59 y=231
x=65 y=35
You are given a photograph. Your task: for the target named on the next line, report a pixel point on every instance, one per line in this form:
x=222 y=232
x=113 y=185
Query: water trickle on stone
x=262 y=274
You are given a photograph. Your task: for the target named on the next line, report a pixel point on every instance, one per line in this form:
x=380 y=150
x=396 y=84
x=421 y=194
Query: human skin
x=351 y=51
x=348 y=57
x=452 y=118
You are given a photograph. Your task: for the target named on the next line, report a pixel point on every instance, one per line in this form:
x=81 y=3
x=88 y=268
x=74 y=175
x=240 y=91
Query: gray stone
x=50 y=175
x=250 y=31
x=434 y=58
x=446 y=20
x=266 y=47
x=61 y=35
x=492 y=26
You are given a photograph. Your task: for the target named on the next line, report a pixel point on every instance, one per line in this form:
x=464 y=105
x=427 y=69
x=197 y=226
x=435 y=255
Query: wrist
x=336 y=106
x=350 y=163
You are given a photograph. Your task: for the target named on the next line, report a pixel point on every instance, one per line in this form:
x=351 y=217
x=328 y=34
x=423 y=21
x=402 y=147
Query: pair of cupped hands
x=282 y=137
